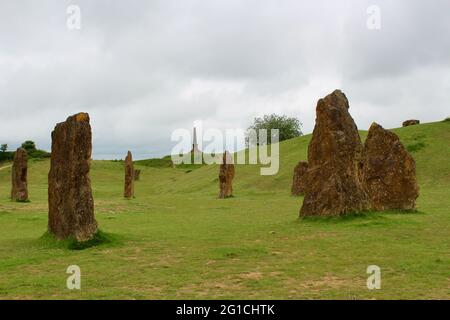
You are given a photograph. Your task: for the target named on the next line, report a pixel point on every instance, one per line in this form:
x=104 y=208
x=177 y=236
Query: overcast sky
x=144 y=68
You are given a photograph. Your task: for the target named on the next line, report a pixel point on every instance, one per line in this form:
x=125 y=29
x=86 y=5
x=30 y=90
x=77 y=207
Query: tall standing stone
x=389 y=171
x=70 y=202
x=129 y=176
x=299 y=179
x=334 y=154
x=226 y=175
x=19 y=189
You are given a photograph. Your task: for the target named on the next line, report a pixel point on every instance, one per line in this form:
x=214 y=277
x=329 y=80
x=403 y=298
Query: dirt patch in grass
x=212 y=289
x=252 y=275
x=326 y=282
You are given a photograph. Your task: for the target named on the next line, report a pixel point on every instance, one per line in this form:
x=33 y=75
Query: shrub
x=39 y=154
x=414 y=147
x=6 y=156
x=288 y=127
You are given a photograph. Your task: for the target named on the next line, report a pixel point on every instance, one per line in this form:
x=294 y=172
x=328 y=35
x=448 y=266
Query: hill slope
x=429 y=144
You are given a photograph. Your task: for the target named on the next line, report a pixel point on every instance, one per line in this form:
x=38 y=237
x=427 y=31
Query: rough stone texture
x=299 y=180
x=334 y=154
x=226 y=175
x=70 y=202
x=19 y=189
x=129 y=177
x=408 y=123
x=389 y=171
x=137 y=175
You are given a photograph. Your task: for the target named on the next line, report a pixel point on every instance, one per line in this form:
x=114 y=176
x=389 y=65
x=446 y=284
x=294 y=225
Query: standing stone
x=389 y=171
x=226 y=175
x=19 y=190
x=334 y=154
x=129 y=177
x=70 y=202
x=137 y=175
x=408 y=123
x=299 y=180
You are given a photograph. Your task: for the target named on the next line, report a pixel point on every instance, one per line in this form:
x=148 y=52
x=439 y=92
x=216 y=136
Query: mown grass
x=177 y=240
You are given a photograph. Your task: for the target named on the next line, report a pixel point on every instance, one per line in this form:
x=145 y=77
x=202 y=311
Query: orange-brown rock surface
x=70 y=201
x=19 y=186
x=226 y=175
x=334 y=154
x=299 y=179
x=389 y=171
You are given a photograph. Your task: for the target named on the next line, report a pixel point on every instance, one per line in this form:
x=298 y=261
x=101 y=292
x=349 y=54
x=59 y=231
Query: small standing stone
x=389 y=171
x=137 y=174
x=226 y=175
x=129 y=177
x=408 y=123
x=299 y=179
x=70 y=201
x=19 y=190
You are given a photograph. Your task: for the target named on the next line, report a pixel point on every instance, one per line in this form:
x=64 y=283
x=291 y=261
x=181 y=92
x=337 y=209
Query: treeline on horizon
x=29 y=146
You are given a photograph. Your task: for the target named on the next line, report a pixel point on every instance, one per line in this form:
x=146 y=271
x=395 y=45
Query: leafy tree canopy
x=289 y=127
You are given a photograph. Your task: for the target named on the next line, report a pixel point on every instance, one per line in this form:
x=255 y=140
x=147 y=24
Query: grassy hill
x=177 y=240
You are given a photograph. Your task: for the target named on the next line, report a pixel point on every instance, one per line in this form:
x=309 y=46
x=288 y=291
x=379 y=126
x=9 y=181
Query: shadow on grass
x=366 y=215
x=100 y=239
x=20 y=201
x=238 y=252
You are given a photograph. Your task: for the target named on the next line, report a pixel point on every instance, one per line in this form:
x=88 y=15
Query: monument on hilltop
x=195 y=148
x=196 y=154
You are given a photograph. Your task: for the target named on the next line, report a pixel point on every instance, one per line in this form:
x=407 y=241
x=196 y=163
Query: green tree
x=4 y=147
x=29 y=146
x=288 y=127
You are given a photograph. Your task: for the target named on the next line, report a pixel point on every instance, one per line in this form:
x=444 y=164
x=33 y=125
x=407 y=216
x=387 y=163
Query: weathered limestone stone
x=19 y=190
x=408 y=123
x=299 y=180
x=137 y=175
x=389 y=171
x=129 y=177
x=226 y=175
x=334 y=154
x=70 y=202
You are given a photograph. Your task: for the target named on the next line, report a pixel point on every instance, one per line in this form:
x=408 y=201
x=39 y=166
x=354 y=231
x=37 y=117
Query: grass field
x=176 y=240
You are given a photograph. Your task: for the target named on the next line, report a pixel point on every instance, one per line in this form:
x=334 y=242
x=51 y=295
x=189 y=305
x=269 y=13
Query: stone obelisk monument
x=196 y=154
x=194 y=142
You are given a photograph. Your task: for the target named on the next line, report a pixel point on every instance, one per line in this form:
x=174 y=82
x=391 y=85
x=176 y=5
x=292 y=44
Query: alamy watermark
x=73 y=21
x=374 y=17
x=374 y=280
x=206 y=146
x=74 y=280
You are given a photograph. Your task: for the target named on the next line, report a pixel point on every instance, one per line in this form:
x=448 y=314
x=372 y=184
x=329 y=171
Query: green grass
x=177 y=240
x=165 y=162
